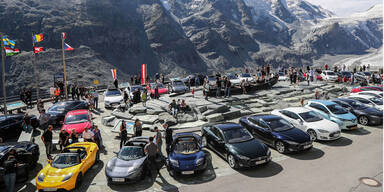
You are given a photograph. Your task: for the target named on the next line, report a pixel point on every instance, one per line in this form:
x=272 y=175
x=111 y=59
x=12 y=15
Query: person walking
x=63 y=139
x=96 y=99
x=151 y=150
x=88 y=135
x=227 y=87
x=10 y=165
x=47 y=140
x=168 y=137
x=97 y=136
x=159 y=140
x=138 y=128
x=123 y=134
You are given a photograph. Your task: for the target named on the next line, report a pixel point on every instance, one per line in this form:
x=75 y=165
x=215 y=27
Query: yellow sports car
x=66 y=170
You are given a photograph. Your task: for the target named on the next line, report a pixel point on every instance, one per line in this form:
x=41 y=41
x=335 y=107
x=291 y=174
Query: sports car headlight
x=66 y=177
x=242 y=157
x=199 y=161
x=132 y=169
x=174 y=162
x=323 y=131
x=291 y=142
x=41 y=177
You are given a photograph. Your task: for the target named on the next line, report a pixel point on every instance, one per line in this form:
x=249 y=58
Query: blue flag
x=8 y=42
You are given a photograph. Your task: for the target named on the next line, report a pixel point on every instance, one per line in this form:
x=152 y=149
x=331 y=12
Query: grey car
x=178 y=86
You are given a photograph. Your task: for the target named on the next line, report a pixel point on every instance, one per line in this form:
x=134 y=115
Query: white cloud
x=346 y=7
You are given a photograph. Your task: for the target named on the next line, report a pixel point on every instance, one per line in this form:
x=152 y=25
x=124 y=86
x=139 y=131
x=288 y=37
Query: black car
x=277 y=132
x=365 y=115
x=12 y=125
x=27 y=154
x=235 y=144
x=58 y=111
x=347 y=74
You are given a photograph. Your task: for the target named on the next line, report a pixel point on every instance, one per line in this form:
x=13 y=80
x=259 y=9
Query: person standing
x=27 y=123
x=168 y=137
x=307 y=77
x=47 y=140
x=242 y=85
x=173 y=107
x=157 y=90
x=326 y=66
x=227 y=87
x=206 y=89
x=116 y=83
x=218 y=85
x=73 y=136
x=353 y=78
x=151 y=150
x=10 y=165
x=137 y=128
x=97 y=136
x=28 y=95
x=44 y=118
x=197 y=81
x=189 y=83
x=144 y=97
x=96 y=99
x=159 y=140
x=123 y=134
x=22 y=96
x=311 y=74
x=88 y=135
x=63 y=139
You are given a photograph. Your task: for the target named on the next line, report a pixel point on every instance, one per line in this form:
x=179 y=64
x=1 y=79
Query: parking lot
x=328 y=166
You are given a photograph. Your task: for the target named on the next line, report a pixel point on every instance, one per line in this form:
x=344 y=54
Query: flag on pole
x=144 y=74
x=37 y=38
x=64 y=35
x=37 y=49
x=8 y=42
x=67 y=47
x=10 y=51
x=114 y=75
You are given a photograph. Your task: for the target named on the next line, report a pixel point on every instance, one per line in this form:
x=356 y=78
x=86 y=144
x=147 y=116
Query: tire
x=363 y=120
x=79 y=180
x=232 y=161
x=312 y=134
x=204 y=141
x=280 y=147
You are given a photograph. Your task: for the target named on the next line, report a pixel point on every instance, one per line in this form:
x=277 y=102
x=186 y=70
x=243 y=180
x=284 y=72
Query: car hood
x=251 y=149
x=293 y=134
x=120 y=168
x=184 y=157
x=113 y=98
x=347 y=116
x=323 y=124
x=79 y=127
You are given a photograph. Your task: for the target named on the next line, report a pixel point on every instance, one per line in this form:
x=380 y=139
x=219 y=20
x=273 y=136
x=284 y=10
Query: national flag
x=10 y=51
x=8 y=42
x=67 y=47
x=37 y=38
x=37 y=49
x=114 y=75
x=64 y=35
x=144 y=74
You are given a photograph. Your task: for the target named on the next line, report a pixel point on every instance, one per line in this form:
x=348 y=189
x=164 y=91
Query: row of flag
x=9 y=45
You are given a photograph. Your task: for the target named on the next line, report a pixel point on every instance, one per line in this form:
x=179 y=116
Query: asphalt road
x=334 y=166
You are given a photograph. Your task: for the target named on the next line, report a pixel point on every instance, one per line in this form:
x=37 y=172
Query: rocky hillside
x=180 y=36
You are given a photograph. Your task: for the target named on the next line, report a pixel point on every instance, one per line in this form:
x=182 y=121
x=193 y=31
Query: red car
x=78 y=120
x=161 y=87
x=370 y=88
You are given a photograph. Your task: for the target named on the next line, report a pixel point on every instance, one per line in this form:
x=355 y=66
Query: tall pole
x=65 y=73
x=3 y=74
x=35 y=68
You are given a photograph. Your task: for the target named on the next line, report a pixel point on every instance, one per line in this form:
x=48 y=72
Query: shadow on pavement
x=267 y=170
x=89 y=176
x=313 y=153
x=359 y=131
x=27 y=185
x=341 y=142
x=136 y=186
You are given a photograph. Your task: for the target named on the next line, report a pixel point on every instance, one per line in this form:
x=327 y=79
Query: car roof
x=78 y=112
x=297 y=109
x=363 y=96
x=265 y=117
x=343 y=99
x=186 y=134
x=3 y=117
x=324 y=102
x=226 y=126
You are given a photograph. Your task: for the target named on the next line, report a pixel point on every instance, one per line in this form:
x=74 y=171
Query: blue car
x=277 y=132
x=186 y=156
x=334 y=112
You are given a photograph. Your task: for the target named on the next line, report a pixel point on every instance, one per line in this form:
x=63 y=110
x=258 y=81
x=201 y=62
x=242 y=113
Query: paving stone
x=147 y=119
x=232 y=114
x=292 y=99
x=186 y=117
x=215 y=117
x=122 y=115
x=137 y=109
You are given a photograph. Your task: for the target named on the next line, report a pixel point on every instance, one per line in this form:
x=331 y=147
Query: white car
x=234 y=80
x=282 y=77
x=329 y=76
x=377 y=94
x=112 y=97
x=311 y=122
x=246 y=76
x=369 y=100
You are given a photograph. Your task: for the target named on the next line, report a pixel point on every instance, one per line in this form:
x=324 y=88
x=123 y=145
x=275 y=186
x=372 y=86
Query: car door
x=255 y=128
x=297 y=121
x=320 y=110
x=266 y=132
x=287 y=116
x=218 y=142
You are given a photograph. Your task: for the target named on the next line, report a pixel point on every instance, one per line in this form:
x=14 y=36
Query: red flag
x=37 y=49
x=144 y=74
x=114 y=75
x=67 y=47
x=63 y=35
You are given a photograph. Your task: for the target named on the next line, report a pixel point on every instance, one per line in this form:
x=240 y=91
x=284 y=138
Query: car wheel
x=312 y=134
x=363 y=120
x=204 y=141
x=232 y=161
x=280 y=147
x=79 y=179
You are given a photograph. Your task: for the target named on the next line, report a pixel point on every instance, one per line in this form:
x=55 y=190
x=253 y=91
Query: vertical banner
x=144 y=74
x=114 y=75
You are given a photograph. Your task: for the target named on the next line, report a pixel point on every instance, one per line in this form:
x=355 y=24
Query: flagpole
x=65 y=73
x=35 y=69
x=3 y=74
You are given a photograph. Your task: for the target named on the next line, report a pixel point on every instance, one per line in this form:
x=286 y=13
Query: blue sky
x=346 y=7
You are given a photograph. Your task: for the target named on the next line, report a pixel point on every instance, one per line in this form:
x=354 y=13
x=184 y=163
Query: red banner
x=114 y=75
x=144 y=74
x=37 y=49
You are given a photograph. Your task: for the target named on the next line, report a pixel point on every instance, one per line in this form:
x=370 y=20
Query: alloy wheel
x=280 y=147
x=231 y=161
x=204 y=141
x=312 y=134
x=363 y=120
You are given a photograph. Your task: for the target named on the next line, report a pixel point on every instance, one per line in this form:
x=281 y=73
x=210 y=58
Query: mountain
x=179 y=36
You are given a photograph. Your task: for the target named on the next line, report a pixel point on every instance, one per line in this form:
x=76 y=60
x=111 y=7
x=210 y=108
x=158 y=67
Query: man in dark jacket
x=168 y=137
x=10 y=165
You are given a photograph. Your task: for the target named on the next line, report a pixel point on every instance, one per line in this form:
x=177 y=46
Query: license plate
x=307 y=146
x=118 y=179
x=187 y=172
x=261 y=162
x=354 y=127
x=50 y=189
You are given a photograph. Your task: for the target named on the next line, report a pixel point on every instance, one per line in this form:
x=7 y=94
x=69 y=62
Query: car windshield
x=186 y=145
x=281 y=73
x=237 y=135
x=346 y=73
x=113 y=93
x=134 y=88
x=337 y=109
x=245 y=75
x=376 y=100
x=178 y=83
x=310 y=116
x=367 y=73
x=330 y=73
x=65 y=160
x=73 y=119
x=130 y=153
x=211 y=78
x=232 y=77
x=58 y=108
x=279 y=125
